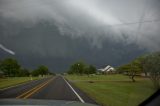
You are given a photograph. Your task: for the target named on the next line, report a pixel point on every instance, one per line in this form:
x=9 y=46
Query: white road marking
x=74 y=91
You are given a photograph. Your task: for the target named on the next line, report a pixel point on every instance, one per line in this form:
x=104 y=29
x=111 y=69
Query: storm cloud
x=70 y=29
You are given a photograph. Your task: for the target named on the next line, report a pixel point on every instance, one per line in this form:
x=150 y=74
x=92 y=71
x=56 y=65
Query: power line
x=140 y=22
x=141 y=18
x=131 y=23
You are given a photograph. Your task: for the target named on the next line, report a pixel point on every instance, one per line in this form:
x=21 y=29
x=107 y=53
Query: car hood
x=42 y=102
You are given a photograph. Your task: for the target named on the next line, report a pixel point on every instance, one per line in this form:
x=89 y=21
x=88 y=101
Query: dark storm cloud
x=72 y=28
x=78 y=17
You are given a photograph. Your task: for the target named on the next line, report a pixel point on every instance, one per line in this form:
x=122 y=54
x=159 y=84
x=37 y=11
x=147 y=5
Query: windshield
x=101 y=52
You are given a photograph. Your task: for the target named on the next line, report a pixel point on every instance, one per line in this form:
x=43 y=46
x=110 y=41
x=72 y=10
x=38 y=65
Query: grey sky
x=61 y=28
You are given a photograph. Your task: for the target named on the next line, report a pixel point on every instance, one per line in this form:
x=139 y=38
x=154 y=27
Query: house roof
x=107 y=68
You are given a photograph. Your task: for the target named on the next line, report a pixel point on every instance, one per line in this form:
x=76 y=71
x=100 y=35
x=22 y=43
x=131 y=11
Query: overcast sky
x=59 y=32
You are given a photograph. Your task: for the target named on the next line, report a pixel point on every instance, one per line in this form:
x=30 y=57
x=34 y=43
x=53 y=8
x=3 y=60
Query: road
x=54 y=88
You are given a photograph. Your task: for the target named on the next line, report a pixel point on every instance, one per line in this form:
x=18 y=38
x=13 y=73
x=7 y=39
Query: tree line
x=11 y=68
x=81 y=68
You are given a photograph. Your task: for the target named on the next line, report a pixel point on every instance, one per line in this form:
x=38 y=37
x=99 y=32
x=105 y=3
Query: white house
x=108 y=69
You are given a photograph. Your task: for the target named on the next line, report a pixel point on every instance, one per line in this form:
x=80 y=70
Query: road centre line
x=39 y=88
x=35 y=89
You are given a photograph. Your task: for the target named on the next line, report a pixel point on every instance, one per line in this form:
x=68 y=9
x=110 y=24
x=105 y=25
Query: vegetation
x=41 y=70
x=151 y=64
x=23 y=72
x=112 y=77
x=90 y=70
x=11 y=68
x=114 y=90
x=81 y=68
x=144 y=64
x=12 y=81
x=132 y=69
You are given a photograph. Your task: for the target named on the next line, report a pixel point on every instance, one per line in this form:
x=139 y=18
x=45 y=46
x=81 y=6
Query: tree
x=135 y=68
x=131 y=69
x=90 y=70
x=10 y=67
x=123 y=68
x=52 y=73
x=23 y=73
x=81 y=68
x=140 y=61
x=87 y=70
x=41 y=70
x=35 y=73
x=152 y=65
x=77 y=68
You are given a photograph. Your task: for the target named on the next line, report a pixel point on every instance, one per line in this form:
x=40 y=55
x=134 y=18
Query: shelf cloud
x=71 y=28
x=77 y=17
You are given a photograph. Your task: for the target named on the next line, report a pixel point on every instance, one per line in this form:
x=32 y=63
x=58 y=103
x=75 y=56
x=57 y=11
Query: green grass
x=114 y=90
x=11 y=81
x=114 y=77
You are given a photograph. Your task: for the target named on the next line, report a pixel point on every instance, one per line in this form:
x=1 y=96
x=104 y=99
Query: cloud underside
x=62 y=31
x=60 y=28
x=93 y=19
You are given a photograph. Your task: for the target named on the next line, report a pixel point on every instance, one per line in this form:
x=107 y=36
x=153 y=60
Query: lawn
x=114 y=90
x=11 y=81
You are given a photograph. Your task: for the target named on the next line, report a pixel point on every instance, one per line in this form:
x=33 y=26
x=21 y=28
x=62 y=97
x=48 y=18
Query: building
x=107 y=69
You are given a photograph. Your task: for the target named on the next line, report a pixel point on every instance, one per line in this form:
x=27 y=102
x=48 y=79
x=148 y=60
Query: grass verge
x=12 y=81
x=114 y=90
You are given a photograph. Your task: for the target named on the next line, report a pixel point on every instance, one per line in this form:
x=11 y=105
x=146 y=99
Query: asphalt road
x=55 y=88
x=13 y=92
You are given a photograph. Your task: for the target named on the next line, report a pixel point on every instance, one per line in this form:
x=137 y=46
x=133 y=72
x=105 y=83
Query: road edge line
x=74 y=91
